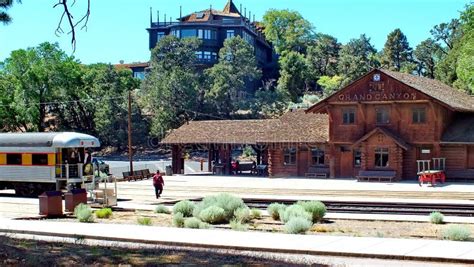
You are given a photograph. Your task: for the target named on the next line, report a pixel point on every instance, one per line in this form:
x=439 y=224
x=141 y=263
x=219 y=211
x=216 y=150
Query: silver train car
x=31 y=163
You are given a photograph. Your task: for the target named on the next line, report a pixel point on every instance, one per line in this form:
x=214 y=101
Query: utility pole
x=130 y=151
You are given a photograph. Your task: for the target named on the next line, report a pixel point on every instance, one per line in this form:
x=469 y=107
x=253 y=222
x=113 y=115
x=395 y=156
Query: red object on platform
x=431 y=177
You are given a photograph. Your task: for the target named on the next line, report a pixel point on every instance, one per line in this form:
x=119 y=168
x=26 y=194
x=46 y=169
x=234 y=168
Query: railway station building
x=383 y=121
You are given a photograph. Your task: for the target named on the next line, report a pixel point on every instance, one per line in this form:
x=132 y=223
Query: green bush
x=317 y=209
x=184 y=207
x=227 y=202
x=144 y=221
x=295 y=210
x=84 y=213
x=437 y=217
x=457 y=233
x=255 y=214
x=274 y=210
x=162 y=209
x=178 y=220
x=298 y=225
x=213 y=215
x=238 y=226
x=242 y=215
x=195 y=223
x=104 y=213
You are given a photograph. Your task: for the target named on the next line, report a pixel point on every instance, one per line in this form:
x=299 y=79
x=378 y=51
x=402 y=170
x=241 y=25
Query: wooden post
x=210 y=153
x=130 y=150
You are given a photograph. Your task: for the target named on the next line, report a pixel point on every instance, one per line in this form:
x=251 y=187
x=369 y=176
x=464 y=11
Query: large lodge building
x=385 y=120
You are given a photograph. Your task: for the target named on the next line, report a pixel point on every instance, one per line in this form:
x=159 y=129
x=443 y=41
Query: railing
x=69 y=171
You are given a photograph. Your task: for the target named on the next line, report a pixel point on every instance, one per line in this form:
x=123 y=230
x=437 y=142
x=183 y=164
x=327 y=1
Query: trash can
x=74 y=198
x=169 y=170
x=51 y=203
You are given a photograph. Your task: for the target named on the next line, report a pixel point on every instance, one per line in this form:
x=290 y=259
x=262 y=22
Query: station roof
x=292 y=127
x=461 y=130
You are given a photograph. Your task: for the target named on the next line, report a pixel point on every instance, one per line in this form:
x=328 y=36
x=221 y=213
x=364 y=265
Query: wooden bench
x=146 y=173
x=128 y=177
x=317 y=172
x=463 y=175
x=376 y=176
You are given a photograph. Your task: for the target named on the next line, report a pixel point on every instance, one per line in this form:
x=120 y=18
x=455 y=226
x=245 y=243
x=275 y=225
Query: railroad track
x=399 y=208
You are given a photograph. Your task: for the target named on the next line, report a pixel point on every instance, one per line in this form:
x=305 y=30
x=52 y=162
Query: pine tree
x=397 y=52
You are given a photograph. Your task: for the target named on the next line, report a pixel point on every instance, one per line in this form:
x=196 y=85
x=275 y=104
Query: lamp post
x=130 y=150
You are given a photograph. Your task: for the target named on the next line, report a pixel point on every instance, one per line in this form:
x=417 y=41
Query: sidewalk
x=403 y=249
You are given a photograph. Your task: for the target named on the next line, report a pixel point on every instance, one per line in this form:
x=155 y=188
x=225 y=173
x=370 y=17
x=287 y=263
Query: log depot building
x=383 y=121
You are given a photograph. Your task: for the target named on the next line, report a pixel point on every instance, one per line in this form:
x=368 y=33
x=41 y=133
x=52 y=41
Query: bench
x=457 y=175
x=317 y=172
x=146 y=173
x=127 y=176
x=376 y=175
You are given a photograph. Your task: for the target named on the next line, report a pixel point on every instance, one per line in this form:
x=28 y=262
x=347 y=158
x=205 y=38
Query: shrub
x=238 y=226
x=274 y=210
x=457 y=233
x=322 y=229
x=255 y=214
x=162 y=209
x=242 y=215
x=298 y=225
x=437 y=217
x=184 y=207
x=213 y=215
x=295 y=211
x=317 y=209
x=84 y=213
x=227 y=202
x=144 y=221
x=104 y=213
x=178 y=220
x=195 y=223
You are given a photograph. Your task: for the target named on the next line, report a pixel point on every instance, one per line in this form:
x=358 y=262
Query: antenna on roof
x=240 y=10
x=250 y=16
x=165 y=19
x=253 y=18
x=180 y=12
x=158 y=17
x=151 y=17
x=245 y=13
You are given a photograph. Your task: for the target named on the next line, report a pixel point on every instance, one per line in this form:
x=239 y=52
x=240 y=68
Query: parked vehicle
x=31 y=163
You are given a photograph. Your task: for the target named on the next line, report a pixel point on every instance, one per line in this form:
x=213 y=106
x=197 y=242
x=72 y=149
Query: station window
x=230 y=34
x=39 y=159
x=381 y=157
x=382 y=116
x=419 y=115
x=14 y=159
x=317 y=156
x=348 y=116
x=290 y=156
x=357 y=158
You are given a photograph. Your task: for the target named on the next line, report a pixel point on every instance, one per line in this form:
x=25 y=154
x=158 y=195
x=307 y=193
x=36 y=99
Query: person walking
x=158 y=183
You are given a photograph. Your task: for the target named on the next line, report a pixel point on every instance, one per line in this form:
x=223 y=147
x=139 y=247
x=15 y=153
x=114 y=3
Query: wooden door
x=347 y=166
x=302 y=161
x=425 y=153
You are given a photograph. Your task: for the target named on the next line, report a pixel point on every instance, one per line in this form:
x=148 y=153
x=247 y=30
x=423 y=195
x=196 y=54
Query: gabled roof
x=446 y=95
x=398 y=140
x=461 y=130
x=230 y=8
x=292 y=127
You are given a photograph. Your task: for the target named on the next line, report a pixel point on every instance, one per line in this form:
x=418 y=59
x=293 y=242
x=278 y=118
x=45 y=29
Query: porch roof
x=461 y=130
x=293 y=127
x=398 y=140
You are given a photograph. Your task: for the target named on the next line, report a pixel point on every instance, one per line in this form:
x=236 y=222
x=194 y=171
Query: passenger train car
x=32 y=163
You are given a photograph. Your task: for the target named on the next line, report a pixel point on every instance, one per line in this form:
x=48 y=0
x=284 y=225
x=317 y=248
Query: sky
x=117 y=28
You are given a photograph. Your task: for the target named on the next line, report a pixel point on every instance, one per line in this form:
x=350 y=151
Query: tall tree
x=428 y=53
x=37 y=76
x=170 y=91
x=294 y=75
x=287 y=30
x=447 y=33
x=237 y=69
x=323 y=55
x=356 y=58
x=4 y=6
x=397 y=52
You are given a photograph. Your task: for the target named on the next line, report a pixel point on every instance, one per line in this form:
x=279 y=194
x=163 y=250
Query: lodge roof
x=292 y=127
x=458 y=100
x=453 y=98
x=230 y=10
x=461 y=130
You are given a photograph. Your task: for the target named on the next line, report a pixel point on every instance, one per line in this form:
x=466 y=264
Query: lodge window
x=357 y=158
x=207 y=55
x=419 y=115
x=289 y=156
x=230 y=34
x=160 y=35
x=381 y=157
x=317 y=156
x=39 y=159
x=14 y=159
x=199 y=54
x=382 y=116
x=187 y=33
x=176 y=33
x=348 y=116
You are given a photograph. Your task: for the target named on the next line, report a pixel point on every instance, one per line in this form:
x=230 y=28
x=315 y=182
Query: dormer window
x=382 y=115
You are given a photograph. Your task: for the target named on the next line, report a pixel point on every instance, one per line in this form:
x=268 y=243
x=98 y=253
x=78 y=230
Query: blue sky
x=116 y=29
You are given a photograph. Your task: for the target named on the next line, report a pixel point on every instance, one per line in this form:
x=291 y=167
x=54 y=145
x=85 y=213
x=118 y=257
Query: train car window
x=40 y=159
x=14 y=159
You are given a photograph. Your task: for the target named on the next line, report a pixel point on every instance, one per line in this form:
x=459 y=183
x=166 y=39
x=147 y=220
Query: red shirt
x=158 y=180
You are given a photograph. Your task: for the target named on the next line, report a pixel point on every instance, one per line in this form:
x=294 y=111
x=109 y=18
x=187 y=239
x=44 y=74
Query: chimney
x=151 y=17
